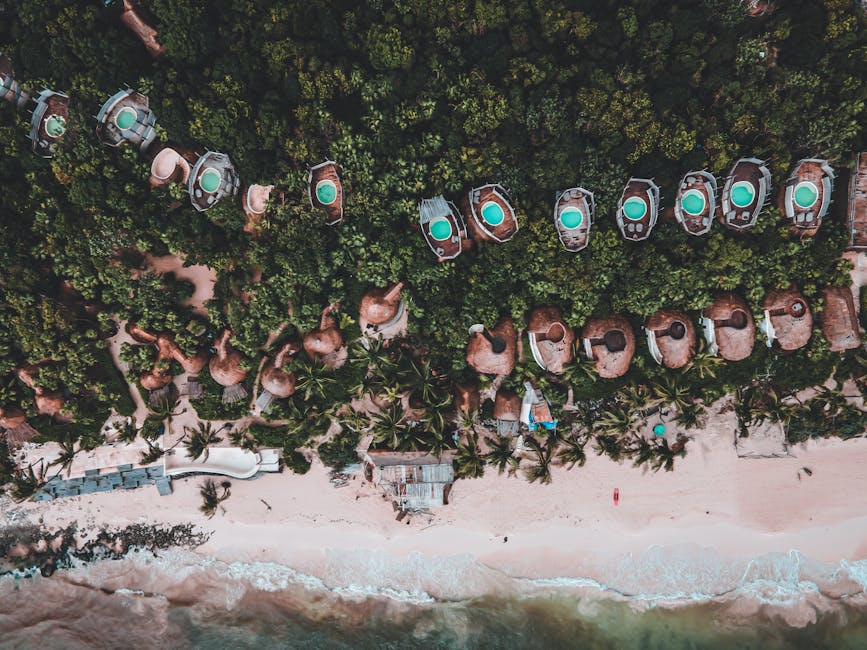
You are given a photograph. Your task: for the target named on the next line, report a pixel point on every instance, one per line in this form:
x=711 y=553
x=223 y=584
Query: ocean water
x=669 y=598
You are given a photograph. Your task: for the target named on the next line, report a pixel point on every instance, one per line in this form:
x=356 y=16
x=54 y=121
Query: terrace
x=490 y=215
x=744 y=194
x=126 y=117
x=807 y=195
x=638 y=209
x=443 y=227
x=695 y=204
x=574 y=212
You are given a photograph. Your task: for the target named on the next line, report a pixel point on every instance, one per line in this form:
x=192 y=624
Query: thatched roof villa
x=167 y=350
x=254 y=200
x=610 y=342
x=443 y=227
x=227 y=369
x=507 y=413
x=126 y=117
x=413 y=481
x=492 y=352
x=276 y=382
x=48 y=402
x=135 y=21
x=489 y=214
x=840 y=319
x=746 y=189
x=466 y=397
x=695 y=204
x=48 y=121
x=805 y=199
x=574 y=212
x=212 y=178
x=729 y=328
x=857 y=209
x=550 y=339
x=638 y=209
x=670 y=338
x=788 y=321
x=325 y=190
x=10 y=91
x=326 y=342
x=171 y=163
x=382 y=312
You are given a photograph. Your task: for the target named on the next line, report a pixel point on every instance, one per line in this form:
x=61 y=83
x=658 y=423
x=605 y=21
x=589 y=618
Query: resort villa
x=492 y=352
x=325 y=190
x=638 y=209
x=126 y=117
x=574 y=212
x=212 y=179
x=695 y=203
x=550 y=339
x=788 y=321
x=746 y=189
x=276 y=382
x=729 y=328
x=610 y=343
x=326 y=342
x=670 y=338
x=382 y=313
x=507 y=413
x=489 y=214
x=806 y=196
x=443 y=228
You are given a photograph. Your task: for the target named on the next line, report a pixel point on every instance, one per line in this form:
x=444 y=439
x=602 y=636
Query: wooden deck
x=327 y=171
x=753 y=171
x=480 y=229
x=806 y=221
x=647 y=191
x=575 y=239
x=858 y=203
x=431 y=211
x=228 y=186
x=704 y=183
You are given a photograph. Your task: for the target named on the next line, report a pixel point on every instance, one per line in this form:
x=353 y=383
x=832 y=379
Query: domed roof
x=674 y=334
x=612 y=343
x=507 y=406
x=226 y=365
x=326 y=339
x=379 y=306
x=551 y=339
x=734 y=327
x=790 y=317
x=466 y=397
x=277 y=381
x=481 y=356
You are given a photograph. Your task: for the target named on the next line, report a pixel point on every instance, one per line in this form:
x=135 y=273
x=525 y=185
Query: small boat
x=325 y=190
x=443 y=227
x=574 y=211
x=695 y=204
x=807 y=195
x=490 y=215
x=744 y=194
x=638 y=209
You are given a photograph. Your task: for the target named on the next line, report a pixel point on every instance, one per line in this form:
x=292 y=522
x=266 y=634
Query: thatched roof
x=11 y=417
x=466 y=397
x=671 y=338
x=611 y=343
x=277 y=381
x=551 y=339
x=135 y=22
x=48 y=402
x=226 y=365
x=507 y=406
x=380 y=307
x=326 y=342
x=840 y=320
x=733 y=326
x=160 y=375
x=790 y=318
x=481 y=354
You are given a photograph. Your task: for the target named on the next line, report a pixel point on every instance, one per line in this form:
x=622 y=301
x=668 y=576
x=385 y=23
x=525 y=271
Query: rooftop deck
x=744 y=194
x=490 y=216
x=325 y=190
x=442 y=227
x=695 y=205
x=638 y=209
x=574 y=212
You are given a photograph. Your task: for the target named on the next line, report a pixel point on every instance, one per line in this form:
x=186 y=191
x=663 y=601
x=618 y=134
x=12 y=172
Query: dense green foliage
x=415 y=99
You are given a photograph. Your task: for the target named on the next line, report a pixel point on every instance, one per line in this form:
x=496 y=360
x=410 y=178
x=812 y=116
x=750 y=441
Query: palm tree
x=672 y=392
x=313 y=378
x=571 y=452
x=389 y=426
x=128 y=432
x=501 y=455
x=67 y=453
x=704 y=364
x=421 y=381
x=664 y=456
x=210 y=498
x=152 y=454
x=199 y=440
x=26 y=482
x=541 y=469
x=642 y=452
x=616 y=420
x=370 y=353
x=690 y=416
x=469 y=462
x=609 y=445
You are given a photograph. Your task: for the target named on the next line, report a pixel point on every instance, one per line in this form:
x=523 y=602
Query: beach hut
x=729 y=328
x=670 y=338
x=10 y=91
x=171 y=163
x=857 y=208
x=489 y=214
x=227 y=369
x=788 y=321
x=550 y=339
x=492 y=352
x=638 y=209
x=507 y=413
x=326 y=342
x=276 y=382
x=126 y=117
x=413 y=481
x=806 y=196
x=609 y=342
x=746 y=189
x=695 y=204
x=48 y=121
x=574 y=212
x=325 y=190
x=443 y=227
x=840 y=319
x=382 y=312
x=135 y=19
x=212 y=179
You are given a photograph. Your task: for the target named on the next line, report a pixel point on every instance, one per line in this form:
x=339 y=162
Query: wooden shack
x=574 y=213
x=126 y=117
x=489 y=214
x=840 y=319
x=610 y=343
x=729 y=328
x=212 y=178
x=638 y=209
x=857 y=208
x=805 y=198
x=695 y=203
x=325 y=190
x=442 y=227
x=744 y=194
x=492 y=351
x=788 y=321
x=550 y=338
x=670 y=338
